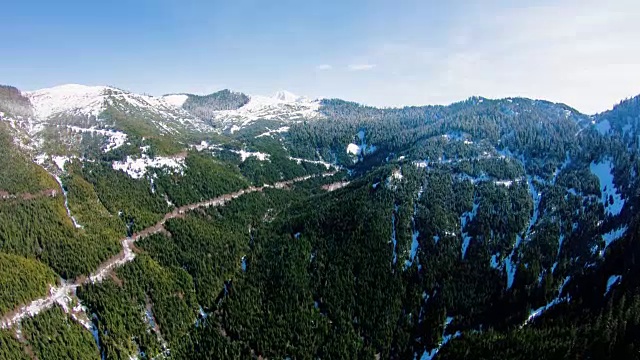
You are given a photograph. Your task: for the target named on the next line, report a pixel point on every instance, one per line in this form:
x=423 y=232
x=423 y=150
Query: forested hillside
x=234 y=227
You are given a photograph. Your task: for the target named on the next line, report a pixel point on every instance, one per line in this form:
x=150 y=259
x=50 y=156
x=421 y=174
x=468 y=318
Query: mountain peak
x=287 y=96
x=61 y=98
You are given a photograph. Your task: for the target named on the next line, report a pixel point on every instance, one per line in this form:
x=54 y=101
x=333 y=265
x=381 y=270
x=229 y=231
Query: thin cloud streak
x=361 y=67
x=324 y=67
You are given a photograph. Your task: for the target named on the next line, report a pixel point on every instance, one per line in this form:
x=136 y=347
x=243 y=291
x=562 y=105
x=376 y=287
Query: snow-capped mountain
x=224 y=110
x=74 y=100
x=68 y=120
x=286 y=96
x=232 y=111
x=284 y=107
x=71 y=98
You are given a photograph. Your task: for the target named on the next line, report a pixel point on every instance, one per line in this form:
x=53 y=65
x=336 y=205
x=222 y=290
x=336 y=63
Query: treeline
x=535 y=129
x=206 y=106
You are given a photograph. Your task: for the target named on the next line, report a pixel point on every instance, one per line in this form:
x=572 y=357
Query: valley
x=241 y=226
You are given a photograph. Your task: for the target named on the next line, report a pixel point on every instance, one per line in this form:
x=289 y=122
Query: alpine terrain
x=235 y=226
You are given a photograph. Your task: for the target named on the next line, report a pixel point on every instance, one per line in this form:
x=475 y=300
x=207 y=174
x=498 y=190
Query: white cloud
x=324 y=67
x=361 y=67
x=583 y=53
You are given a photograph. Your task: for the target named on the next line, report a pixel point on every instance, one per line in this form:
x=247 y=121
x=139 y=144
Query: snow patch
x=353 y=149
x=429 y=355
x=393 y=234
x=414 y=247
x=613 y=280
x=317 y=162
x=288 y=97
x=57 y=295
x=614 y=235
x=244 y=155
x=536 y=196
x=281 y=129
x=176 y=100
x=558 y=299
x=495 y=263
x=283 y=106
x=78 y=99
x=66 y=203
x=60 y=161
x=116 y=138
x=604 y=171
x=465 y=219
x=505 y=183
x=363 y=148
x=603 y=127
x=137 y=168
x=415 y=233
x=509 y=265
x=457 y=136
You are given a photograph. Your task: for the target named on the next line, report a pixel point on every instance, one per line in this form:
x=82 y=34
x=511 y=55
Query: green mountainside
x=238 y=227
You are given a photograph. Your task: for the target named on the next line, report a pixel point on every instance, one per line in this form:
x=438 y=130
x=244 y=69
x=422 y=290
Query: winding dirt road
x=65 y=293
x=5 y=195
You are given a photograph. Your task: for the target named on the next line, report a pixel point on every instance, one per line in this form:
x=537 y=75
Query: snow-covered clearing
x=60 y=161
x=558 y=299
x=363 y=148
x=613 y=280
x=614 y=235
x=465 y=219
x=176 y=100
x=604 y=171
x=353 y=149
x=393 y=234
x=78 y=99
x=414 y=233
x=283 y=106
x=244 y=155
x=116 y=138
x=281 y=129
x=429 y=355
x=317 y=162
x=510 y=266
x=137 y=168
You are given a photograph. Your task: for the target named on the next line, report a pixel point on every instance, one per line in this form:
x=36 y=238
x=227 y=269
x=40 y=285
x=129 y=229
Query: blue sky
x=582 y=52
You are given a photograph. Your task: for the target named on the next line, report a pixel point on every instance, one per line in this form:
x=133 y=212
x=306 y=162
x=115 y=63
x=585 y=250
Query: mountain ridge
x=448 y=220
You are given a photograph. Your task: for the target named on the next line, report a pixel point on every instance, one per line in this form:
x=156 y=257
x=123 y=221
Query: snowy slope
x=80 y=100
x=176 y=100
x=166 y=112
x=71 y=98
x=283 y=106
